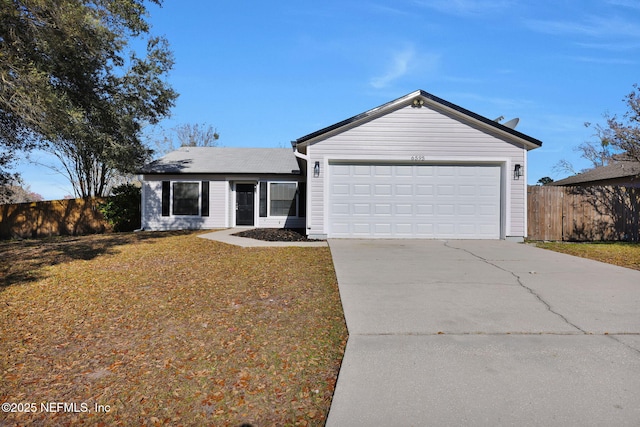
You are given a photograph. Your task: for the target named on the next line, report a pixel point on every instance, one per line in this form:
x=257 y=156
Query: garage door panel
x=404 y=190
x=486 y=190
x=340 y=209
x=362 y=170
x=383 y=209
x=382 y=189
x=341 y=228
x=405 y=170
x=445 y=210
x=424 y=189
x=361 y=189
x=446 y=170
x=383 y=229
x=362 y=228
x=404 y=209
x=446 y=190
x=445 y=229
x=485 y=229
x=424 y=209
x=417 y=201
x=425 y=230
x=383 y=170
x=361 y=209
x=340 y=189
x=467 y=229
x=486 y=210
x=425 y=171
x=340 y=170
x=468 y=210
x=467 y=190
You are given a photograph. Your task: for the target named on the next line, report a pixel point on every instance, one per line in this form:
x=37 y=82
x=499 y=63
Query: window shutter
x=166 y=189
x=263 y=199
x=204 y=207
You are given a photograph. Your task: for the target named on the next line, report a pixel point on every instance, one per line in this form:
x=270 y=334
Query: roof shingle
x=226 y=160
x=612 y=171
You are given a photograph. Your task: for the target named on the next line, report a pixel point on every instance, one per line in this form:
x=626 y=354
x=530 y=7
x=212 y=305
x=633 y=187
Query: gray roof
x=603 y=173
x=223 y=160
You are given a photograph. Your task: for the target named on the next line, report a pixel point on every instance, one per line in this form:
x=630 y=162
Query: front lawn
x=167 y=329
x=618 y=253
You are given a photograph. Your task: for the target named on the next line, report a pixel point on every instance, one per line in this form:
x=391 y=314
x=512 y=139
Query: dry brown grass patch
x=169 y=329
x=617 y=253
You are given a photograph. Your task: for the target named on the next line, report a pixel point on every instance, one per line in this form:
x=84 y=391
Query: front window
x=283 y=199
x=186 y=198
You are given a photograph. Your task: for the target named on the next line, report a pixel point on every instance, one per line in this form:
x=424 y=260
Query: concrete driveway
x=484 y=333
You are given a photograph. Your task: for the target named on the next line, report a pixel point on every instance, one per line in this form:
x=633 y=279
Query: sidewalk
x=226 y=236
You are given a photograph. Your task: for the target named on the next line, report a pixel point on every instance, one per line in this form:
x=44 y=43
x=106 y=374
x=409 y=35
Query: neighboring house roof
x=225 y=160
x=428 y=99
x=614 y=171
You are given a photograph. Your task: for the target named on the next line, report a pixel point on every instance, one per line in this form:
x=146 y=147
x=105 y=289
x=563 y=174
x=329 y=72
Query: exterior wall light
x=316 y=170
x=417 y=103
x=517 y=171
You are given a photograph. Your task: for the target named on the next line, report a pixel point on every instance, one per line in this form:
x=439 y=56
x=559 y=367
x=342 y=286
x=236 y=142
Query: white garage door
x=414 y=201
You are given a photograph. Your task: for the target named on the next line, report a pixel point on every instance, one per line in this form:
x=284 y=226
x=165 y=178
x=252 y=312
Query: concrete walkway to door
x=484 y=333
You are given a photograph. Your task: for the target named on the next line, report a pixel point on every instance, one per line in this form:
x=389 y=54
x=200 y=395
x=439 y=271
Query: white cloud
x=403 y=63
x=607 y=61
x=467 y=7
x=633 y=4
x=592 y=26
x=388 y=10
x=612 y=46
x=399 y=67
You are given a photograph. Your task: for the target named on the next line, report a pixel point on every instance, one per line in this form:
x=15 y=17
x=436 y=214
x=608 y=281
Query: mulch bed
x=276 y=234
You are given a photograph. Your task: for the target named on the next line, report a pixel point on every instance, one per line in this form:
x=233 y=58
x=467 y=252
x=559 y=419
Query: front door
x=244 y=204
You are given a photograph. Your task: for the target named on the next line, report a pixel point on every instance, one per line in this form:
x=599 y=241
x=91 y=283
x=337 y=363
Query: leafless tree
x=17 y=192
x=186 y=135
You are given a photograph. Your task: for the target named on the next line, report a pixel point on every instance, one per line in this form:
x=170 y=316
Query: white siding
x=279 y=222
x=152 y=218
x=431 y=137
x=221 y=203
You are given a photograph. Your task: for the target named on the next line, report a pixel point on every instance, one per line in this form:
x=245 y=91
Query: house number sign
x=417 y=158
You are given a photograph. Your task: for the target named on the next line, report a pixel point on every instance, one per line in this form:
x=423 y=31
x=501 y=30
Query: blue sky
x=266 y=73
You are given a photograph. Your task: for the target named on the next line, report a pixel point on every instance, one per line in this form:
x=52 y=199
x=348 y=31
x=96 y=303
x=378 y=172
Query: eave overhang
x=430 y=100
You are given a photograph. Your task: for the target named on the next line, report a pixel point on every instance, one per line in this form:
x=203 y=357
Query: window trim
x=167 y=210
x=296 y=203
x=173 y=195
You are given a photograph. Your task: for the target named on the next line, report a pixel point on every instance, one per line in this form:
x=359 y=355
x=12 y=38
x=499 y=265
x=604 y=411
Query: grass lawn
x=618 y=253
x=167 y=329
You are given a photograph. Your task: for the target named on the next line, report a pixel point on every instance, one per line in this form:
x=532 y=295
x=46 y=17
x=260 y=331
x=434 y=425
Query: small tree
x=599 y=152
x=122 y=209
x=624 y=133
x=187 y=135
x=619 y=139
x=545 y=180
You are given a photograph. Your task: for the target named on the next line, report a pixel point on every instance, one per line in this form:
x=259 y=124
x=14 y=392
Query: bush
x=122 y=209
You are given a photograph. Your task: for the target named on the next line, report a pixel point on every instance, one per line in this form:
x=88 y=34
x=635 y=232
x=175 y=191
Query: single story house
x=625 y=173
x=415 y=167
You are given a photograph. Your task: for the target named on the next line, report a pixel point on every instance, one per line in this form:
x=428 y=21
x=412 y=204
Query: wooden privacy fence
x=583 y=213
x=52 y=218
